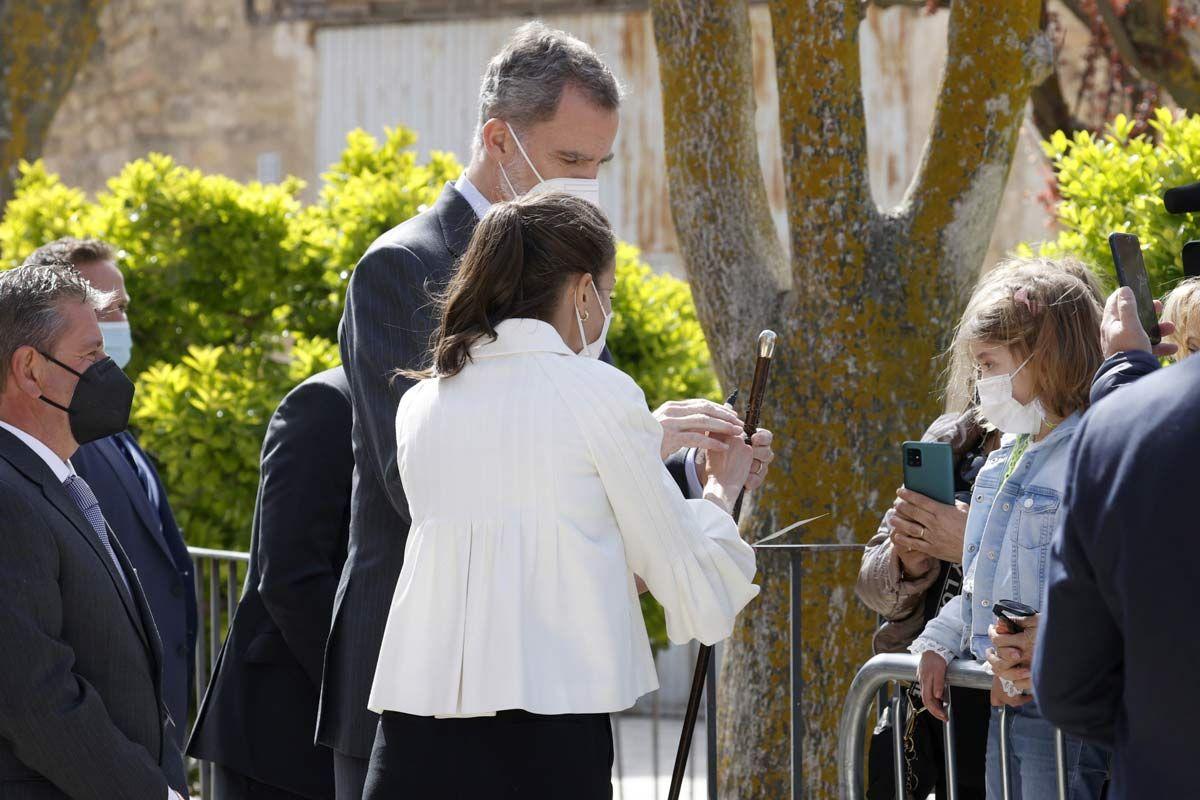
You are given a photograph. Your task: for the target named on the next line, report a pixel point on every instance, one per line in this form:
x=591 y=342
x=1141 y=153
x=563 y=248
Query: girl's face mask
x=1008 y=414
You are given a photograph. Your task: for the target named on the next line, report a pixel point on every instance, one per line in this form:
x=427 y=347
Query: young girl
x=1031 y=338
x=1182 y=307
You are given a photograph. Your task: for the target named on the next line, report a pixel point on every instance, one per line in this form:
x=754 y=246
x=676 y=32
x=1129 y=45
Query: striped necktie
x=83 y=496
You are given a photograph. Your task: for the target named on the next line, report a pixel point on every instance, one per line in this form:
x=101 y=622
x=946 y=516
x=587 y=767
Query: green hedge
x=1114 y=181
x=237 y=289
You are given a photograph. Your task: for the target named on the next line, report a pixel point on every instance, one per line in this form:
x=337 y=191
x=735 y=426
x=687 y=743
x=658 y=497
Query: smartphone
x=1010 y=611
x=929 y=470
x=1131 y=272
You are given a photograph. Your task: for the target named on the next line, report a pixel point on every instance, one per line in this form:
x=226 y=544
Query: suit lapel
x=28 y=463
x=150 y=630
x=457 y=220
x=137 y=493
x=58 y=496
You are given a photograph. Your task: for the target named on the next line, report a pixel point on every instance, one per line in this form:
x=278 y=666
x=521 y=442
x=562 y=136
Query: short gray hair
x=524 y=82
x=30 y=313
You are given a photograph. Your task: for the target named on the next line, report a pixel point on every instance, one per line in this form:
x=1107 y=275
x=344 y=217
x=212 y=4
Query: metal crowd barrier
x=219 y=576
x=795 y=554
x=902 y=668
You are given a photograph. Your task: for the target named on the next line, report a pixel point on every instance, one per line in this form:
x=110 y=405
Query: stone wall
x=194 y=79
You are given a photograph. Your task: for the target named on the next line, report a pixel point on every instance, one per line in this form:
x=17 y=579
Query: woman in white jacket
x=537 y=494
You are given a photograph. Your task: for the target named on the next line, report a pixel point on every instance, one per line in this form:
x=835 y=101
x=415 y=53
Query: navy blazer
x=260 y=709
x=155 y=546
x=1116 y=659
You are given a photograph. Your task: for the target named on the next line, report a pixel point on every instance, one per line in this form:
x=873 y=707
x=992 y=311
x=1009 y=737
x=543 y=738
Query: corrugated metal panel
x=426 y=76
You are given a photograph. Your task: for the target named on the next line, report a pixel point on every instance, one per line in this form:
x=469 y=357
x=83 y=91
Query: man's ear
x=22 y=370
x=496 y=139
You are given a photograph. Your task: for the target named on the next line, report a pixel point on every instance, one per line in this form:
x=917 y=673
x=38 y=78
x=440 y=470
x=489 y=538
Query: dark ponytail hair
x=521 y=255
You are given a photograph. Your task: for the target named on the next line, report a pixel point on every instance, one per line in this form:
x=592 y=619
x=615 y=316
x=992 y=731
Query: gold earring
x=585 y=316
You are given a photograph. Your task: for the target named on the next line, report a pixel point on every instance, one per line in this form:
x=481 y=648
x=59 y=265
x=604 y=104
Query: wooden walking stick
x=762 y=368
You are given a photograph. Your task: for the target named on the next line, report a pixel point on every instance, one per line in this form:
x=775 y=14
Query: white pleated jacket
x=537 y=491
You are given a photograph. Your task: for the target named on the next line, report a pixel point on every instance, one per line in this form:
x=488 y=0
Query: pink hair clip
x=1022 y=296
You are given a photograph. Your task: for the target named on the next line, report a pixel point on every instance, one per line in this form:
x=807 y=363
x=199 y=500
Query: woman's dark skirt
x=513 y=755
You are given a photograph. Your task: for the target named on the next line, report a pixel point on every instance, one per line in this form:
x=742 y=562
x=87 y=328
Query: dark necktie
x=83 y=496
x=139 y=469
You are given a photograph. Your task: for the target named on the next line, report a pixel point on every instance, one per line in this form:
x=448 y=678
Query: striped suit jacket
x=81 y=705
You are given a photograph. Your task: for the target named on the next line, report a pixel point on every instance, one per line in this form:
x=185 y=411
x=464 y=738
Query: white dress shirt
x=61 y=469
x=536 y=492
x=480 y=205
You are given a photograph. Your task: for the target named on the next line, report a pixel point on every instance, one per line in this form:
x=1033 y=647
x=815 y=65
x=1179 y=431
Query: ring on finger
x=921 y=531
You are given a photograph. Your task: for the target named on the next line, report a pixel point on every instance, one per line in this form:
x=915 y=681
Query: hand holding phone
x=1010 y=612
x=1131 y=272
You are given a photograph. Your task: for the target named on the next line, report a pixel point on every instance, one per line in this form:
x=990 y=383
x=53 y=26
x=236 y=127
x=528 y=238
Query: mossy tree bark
x=43 y=43
x=863 y=305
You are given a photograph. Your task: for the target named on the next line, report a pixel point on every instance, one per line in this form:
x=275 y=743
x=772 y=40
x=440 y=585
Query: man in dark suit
x=555 y=93
x=258 y=716
x=1114 y=663
x=81 y=695
x=131 y=493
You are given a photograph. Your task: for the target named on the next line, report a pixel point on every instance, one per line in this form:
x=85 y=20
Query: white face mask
x=118 y=341
x=593 y=349
x=998 y=405
x=583 y=188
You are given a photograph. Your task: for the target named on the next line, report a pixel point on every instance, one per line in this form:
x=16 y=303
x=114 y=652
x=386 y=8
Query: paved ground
x=637 y=776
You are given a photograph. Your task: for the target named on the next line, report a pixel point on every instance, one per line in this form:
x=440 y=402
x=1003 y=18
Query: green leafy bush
x=371 y=188
x=207 y=260
x=1114 y=182
x=655 y=336
x=237 y=290
x=204 y=417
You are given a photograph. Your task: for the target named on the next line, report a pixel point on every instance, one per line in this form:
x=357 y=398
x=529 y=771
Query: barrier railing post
x=797 y=676
x=1005 y=767
x=1060 y=763
x=949 y=749
x=898 y=723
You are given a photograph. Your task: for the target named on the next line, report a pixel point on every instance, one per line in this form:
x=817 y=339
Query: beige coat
x=882 y=585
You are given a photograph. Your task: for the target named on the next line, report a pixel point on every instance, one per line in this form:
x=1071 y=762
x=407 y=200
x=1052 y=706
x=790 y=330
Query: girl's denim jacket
x=1006 y=544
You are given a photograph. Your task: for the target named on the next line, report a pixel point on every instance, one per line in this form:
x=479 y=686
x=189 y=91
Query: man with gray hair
x=81 y=667
x=127 y=484
x=548 y=117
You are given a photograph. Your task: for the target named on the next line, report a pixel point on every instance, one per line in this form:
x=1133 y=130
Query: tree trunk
x=871 y=301
x=43 y=43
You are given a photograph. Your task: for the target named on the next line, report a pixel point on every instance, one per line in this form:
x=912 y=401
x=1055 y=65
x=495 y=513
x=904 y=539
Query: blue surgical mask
x=118 y=341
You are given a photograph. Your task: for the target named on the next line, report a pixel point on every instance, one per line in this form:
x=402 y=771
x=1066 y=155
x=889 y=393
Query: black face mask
x=101 y=403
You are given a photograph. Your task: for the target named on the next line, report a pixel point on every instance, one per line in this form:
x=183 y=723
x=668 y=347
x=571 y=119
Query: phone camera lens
x=914 y=457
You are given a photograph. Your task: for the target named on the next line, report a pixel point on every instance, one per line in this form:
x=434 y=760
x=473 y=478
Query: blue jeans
x=1031 y=760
